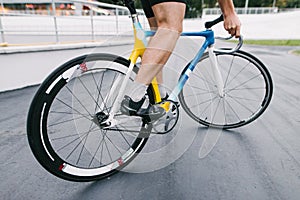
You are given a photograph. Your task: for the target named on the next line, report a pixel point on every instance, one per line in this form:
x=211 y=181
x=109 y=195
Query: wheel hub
x=100 y=119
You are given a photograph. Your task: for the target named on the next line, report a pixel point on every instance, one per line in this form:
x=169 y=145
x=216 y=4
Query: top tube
x=208 y=34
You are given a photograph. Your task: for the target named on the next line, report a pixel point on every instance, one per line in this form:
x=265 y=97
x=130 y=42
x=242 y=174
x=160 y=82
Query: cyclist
x=166 y=17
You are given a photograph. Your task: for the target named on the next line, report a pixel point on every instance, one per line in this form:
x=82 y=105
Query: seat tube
x=138 y=51
x=216 y=71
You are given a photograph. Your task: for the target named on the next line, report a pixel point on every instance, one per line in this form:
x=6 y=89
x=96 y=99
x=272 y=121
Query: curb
x=6 y=49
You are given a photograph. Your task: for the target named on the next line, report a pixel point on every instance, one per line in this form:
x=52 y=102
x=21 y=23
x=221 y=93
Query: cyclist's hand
x=232 y=24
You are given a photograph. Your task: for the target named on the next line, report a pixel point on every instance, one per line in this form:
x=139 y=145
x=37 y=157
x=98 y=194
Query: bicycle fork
x=216 y=71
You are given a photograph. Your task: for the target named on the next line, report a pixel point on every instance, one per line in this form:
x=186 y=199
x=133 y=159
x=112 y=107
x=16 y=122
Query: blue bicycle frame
x=140 y=44
x=209 y=41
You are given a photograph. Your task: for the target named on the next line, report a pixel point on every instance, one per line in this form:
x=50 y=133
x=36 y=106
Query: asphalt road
x=258 y=161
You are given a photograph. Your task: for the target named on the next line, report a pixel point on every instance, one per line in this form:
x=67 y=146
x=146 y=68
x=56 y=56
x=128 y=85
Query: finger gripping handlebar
x=214 y=22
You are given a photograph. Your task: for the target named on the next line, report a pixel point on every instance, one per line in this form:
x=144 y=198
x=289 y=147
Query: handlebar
x=214 y=22
x=210 y=24
x=226 y=50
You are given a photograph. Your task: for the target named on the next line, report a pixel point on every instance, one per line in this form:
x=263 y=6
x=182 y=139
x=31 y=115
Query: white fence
x=91 y=22
x=249 y=10
x=252 y=10
x=54 y=25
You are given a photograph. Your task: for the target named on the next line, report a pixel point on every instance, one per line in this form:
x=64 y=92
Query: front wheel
x=64 y=121
x=247 y=90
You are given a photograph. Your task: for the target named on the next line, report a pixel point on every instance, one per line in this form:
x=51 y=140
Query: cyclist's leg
x=168 y=18
x=153 y=26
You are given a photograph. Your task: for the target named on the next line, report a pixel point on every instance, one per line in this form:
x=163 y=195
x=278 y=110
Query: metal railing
x=56 y=22
x=249 y=10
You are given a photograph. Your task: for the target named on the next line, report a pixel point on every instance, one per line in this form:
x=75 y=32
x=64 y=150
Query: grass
x=274 y=42
x=293 y=43
x=296 y=52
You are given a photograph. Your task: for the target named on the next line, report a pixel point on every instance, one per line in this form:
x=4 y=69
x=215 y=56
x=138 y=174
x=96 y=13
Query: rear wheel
x=64 y=121
x=248 y=91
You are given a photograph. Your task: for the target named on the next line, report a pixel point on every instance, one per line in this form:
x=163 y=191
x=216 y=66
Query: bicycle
x=76 y=131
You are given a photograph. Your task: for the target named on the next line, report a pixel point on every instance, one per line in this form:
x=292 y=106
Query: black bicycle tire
x=38 y=140
x=265 y=103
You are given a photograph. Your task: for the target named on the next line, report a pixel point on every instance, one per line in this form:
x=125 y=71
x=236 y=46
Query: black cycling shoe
x=132 y=108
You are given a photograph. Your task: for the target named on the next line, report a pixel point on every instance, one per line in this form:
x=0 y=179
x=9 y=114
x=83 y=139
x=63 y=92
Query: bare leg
x=153 y=26
x=159 y=77
x=152 y=23
x=169 y=17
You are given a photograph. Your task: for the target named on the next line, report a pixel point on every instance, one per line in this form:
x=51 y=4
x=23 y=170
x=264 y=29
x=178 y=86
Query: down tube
x=184 y=77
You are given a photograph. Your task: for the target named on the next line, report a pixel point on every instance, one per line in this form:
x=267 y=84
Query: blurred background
x=65 y=21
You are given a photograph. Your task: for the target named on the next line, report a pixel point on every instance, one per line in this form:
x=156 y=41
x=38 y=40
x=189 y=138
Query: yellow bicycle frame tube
x=139 y=48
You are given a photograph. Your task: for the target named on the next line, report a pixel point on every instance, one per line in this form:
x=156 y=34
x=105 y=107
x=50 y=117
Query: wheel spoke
x=65 y=125
x=247 y=91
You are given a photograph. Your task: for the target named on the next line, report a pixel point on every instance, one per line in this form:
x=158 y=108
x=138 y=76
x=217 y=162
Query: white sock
x=138 y=91
x=162 y=90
